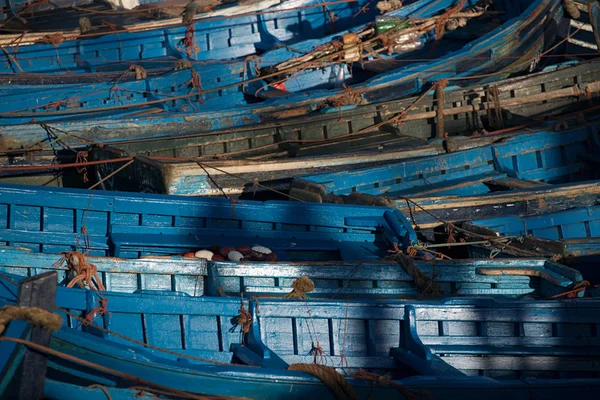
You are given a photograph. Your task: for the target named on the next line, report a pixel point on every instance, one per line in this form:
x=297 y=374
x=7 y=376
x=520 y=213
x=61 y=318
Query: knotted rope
x=33 y=315
x=440 y=24
x=339 y=386
x=426 y=285
x=572 y=294
x=182 y=64
x=82 y=157
x=385 y=380
x=350 y=97
x=108 y=25
x=98 y=311
x=86 y=272
x=54 y=39
x=244 y=319
x=140 y=72
x=300 y=287
x=189 y=41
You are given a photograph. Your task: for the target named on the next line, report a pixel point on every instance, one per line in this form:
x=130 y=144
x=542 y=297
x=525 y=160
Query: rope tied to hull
x=244 y=318
x=82 y=157
x=189 y=41
x=573 y=293
x=339 y=386
x=427 y=286
x=54 y=39
x=100 y=310
x=386 y=380
x=87 y=273
x=33 y=315
x=440 y=25
x=140 y=72
x=300 y=287
x=182 y=64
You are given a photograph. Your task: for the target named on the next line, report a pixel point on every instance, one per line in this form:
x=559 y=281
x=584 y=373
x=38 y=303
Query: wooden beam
x=37 y=291
x=514 y=183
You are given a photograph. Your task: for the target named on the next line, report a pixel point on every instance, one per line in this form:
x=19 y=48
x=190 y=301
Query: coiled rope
x=300 y=287
x=33 y=315
x=339 y=386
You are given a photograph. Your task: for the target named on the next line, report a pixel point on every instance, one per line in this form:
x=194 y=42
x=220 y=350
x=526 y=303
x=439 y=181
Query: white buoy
x=204 y=254
x=261 y=250
x=235 y=256
x=123 y=4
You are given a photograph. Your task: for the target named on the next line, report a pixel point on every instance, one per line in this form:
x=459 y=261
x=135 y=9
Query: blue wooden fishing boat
x=131 y=225
x=524 y=159
x=446 y=350
x=162 y=45
x=527 y=160
x=516 y=203
x=530 y=278
x=269 y=133
x=521 y=100
x=24 y=17
x=578 y=230
x=23 y=8
x=217 y=85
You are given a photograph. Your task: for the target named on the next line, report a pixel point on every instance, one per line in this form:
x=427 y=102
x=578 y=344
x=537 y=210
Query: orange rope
x=572 y=294
x=86 y=273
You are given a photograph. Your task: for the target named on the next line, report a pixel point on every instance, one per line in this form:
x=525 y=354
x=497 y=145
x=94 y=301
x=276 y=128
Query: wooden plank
x=514 y=183
x=38 y=291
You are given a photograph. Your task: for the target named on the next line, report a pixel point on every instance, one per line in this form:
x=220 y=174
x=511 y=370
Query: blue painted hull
x=535 y=28
x=377 y=279
x=495 y=205
x=131 y=225
x=578 y=228
x=216 y=38
x=546 y=156
x=454 y=349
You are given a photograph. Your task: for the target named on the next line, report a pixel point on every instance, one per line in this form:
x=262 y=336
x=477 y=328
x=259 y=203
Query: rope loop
x=87 y=273
x=300 y=287
x=331 y=378
x=33 y=315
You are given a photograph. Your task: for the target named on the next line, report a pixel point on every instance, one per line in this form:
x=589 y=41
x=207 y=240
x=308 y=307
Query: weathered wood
x=432 y=210
x=514 y=183
x=37 y=291
x=32 y=38
x=439 y=96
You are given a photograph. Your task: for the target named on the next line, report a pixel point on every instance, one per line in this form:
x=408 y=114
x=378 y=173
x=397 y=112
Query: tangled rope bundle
x=86 y=273
x=574 y=292
x=440 y=25
x=54 y=39
x=33 y=315
x=300 y=288
x=386 y=380
x=244 y=319
x=140 y=72
x=82 y=157
x=182 y=64
x=426 y=285
x=334 y=381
